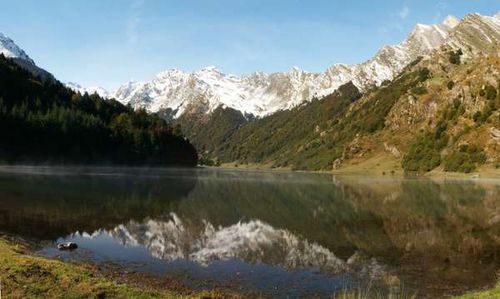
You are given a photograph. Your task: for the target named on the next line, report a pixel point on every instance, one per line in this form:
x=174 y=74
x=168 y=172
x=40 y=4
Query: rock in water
x=67 y=246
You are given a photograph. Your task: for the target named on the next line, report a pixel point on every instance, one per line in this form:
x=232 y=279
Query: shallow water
x=277 y=234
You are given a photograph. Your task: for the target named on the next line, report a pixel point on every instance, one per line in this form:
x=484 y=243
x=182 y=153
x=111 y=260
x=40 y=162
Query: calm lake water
x=277 y=234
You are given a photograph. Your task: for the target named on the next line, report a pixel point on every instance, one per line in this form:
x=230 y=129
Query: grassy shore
x=486 y=294
x=23 y=275
x=382 y=164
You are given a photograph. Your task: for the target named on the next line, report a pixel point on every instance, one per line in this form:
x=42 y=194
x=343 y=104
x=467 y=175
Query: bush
x=424 y=154
x=424 y=74
x=455 y=56
x=466 y=159
x=489 y=92
x=481 y=117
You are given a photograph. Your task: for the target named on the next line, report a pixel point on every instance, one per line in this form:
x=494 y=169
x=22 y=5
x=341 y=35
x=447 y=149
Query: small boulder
x=67 y=246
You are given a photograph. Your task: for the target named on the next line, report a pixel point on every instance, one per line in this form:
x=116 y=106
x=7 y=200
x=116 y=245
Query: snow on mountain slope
x=90 y=90
x=9 y=49
x=261 y=94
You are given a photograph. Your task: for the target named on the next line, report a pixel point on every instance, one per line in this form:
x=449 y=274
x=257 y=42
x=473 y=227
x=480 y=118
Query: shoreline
x=482 y=173
x=487 y=172
x=25 y=275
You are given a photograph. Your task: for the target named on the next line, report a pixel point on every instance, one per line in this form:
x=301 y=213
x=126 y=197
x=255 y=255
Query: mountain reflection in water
x=253 y=242
x=439 y=237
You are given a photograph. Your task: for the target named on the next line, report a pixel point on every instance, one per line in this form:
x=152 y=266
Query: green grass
x=490 y=293
x=486 y=294
x=25 y=276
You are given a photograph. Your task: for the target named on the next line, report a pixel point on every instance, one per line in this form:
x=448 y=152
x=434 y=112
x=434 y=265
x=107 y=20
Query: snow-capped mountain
x=10 y=50
x=90 y=90
x=262 y=94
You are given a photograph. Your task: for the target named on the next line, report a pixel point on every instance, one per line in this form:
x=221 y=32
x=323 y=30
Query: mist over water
x=279 y=233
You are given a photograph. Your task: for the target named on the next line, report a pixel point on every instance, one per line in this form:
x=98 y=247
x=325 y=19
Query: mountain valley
x=430 y=102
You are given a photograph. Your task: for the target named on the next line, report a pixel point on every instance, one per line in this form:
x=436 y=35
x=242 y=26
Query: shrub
x=454 y=56
x=424 y=154
x=481 y=117
x=489 y=92
x=466 y=159
x=424 y=74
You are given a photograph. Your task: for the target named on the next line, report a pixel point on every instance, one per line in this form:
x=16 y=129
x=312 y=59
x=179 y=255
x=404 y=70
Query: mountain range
x=439 y=112
x=260 y=94
x=428 y=102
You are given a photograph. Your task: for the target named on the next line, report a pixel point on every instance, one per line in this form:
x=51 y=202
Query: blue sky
x=109 y=42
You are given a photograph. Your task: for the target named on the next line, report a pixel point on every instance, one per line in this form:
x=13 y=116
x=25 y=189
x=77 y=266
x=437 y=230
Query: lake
x=278 y=234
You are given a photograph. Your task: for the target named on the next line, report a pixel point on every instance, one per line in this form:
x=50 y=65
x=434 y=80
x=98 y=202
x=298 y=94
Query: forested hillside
x=43 y=121
x=290 y=137
x=441 y=112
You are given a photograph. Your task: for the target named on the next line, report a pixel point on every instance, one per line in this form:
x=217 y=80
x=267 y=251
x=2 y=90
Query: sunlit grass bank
x=486 y=294
x=26 y=276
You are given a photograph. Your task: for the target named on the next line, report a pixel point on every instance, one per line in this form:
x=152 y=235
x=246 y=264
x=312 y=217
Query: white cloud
x=404 y=13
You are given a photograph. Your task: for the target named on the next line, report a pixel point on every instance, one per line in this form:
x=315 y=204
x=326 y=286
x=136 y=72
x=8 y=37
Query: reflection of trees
x=47 y=207
x=451 y=227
